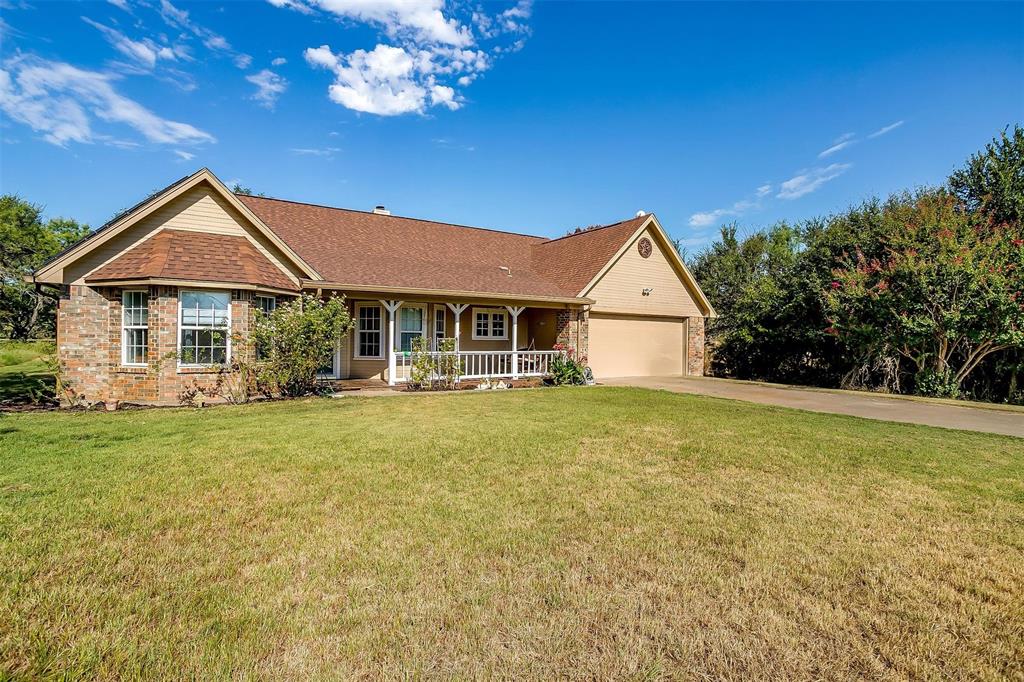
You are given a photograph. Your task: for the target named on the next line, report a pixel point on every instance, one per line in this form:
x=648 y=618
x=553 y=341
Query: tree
x=237 y=188
x=943 y=288
x=296 y=340
x=26 y=242
x=993 y=180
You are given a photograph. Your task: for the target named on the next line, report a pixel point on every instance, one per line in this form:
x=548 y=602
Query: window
x=411 y=323
x=134 y=327
x=368 y=331
x=266 y=304
x=489 y=323
x=439 y=326
x=204 y=324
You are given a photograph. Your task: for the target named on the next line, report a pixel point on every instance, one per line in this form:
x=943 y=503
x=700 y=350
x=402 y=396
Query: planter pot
x=111 y=405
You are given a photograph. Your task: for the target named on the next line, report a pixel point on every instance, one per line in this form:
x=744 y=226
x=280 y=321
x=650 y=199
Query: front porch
x=491 y=339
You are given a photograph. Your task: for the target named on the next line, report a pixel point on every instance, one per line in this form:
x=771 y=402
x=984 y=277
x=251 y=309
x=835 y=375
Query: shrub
x=566 y=369
x=296 y=340
x=439 y=371
x=937 y=384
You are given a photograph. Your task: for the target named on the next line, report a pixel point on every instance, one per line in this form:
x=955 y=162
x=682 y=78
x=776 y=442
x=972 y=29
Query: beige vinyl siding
x=621 y=288
x=200 y=209
x=626 y=345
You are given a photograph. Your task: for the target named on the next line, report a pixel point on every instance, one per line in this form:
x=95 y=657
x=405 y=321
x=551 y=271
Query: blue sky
x=528 y=117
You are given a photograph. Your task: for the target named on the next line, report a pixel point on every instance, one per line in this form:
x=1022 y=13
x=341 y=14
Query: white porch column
x=457 y=309
x=392 y=308
x=515 y=312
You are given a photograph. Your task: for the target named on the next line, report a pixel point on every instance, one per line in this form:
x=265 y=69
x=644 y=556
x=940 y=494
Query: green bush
x=937 y=384
x=566 y=369
x=295 y=341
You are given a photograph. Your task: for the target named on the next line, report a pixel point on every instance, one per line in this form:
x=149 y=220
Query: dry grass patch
x=586 y=533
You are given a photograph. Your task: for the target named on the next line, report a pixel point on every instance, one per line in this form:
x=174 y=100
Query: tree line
x=922 y=292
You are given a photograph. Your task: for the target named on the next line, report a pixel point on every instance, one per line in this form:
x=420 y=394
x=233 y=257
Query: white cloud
x=185 y=156
x=764 y=190
x=144 y=52
x=279 y=61
x=327 y=152
x=432 y=52
x=382 y=81
x=64 y=102
x=123 y=4
x=711 y=217
x=419 y=20
x=180 y=19
x=886 y=129
x=808 y=181
x=269 y=86
x=841 y=142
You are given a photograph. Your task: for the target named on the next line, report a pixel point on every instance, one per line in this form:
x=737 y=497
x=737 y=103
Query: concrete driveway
x=1006 y=421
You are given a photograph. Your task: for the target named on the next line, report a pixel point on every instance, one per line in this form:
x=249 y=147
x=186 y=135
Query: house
x=182 y=273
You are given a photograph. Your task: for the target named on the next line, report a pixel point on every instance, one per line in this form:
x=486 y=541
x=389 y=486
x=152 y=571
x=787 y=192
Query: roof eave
x=446 y=293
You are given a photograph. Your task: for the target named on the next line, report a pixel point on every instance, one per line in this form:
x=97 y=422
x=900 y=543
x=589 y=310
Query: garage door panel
x=622 y=345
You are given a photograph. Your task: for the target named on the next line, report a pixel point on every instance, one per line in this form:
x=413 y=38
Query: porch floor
x=379 y=385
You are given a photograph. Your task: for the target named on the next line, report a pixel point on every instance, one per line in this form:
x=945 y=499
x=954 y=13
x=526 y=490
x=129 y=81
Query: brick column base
x=695 y=346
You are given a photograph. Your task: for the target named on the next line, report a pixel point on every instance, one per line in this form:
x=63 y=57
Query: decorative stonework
x=695 y=346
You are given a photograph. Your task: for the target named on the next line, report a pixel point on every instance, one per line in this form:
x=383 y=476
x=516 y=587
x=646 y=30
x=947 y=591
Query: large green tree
x=942 y=288
x=26 y=242
x=992 y=182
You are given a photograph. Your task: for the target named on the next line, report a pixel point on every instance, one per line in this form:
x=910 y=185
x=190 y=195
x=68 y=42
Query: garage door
x=630 y=346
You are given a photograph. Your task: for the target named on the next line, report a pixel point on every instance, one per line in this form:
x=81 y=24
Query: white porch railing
x=481 y=364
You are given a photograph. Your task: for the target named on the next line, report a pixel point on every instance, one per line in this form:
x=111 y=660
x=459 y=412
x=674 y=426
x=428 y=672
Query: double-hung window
x=412 y=322
x=204 y=326
x=134 y=327
x=439 y=326
x=489 y=323
x=266 y=304
x=368 y=331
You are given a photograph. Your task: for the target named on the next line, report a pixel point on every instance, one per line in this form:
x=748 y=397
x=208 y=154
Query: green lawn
x=588 y=533
x=24 y=372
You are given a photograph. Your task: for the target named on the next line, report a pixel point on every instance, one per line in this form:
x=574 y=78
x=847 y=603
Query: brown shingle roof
x=572 y=261
x=188 y=255
x=369 y=249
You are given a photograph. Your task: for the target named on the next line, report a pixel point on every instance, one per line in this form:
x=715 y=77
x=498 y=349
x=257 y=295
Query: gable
x=201 y=208
x=620 y=289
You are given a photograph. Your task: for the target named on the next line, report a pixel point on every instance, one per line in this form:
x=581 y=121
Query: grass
x=24 y=371
x=606 y=533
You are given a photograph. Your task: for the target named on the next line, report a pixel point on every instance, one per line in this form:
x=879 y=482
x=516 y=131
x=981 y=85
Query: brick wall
x=89 y=346
x=573 y=329
x=695 y=346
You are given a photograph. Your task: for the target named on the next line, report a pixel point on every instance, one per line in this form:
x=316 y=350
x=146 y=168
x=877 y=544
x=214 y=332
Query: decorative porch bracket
x=515 y=312
x=457 y=310
x=392 y=307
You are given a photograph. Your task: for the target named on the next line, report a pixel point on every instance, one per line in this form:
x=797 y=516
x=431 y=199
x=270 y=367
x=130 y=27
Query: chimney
x=380 y=210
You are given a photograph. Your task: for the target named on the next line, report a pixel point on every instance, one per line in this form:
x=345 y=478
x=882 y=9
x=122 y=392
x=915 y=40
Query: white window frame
x=490 y=324
x=398 y=324
x=268 y=297
x=125 y=327
x=382 y=332
x=181 y=327
x=442 y=333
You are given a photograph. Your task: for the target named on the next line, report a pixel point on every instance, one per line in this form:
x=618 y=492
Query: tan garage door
x=630 y=346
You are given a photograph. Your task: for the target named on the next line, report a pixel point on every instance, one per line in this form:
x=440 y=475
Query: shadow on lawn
x=28 y=383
